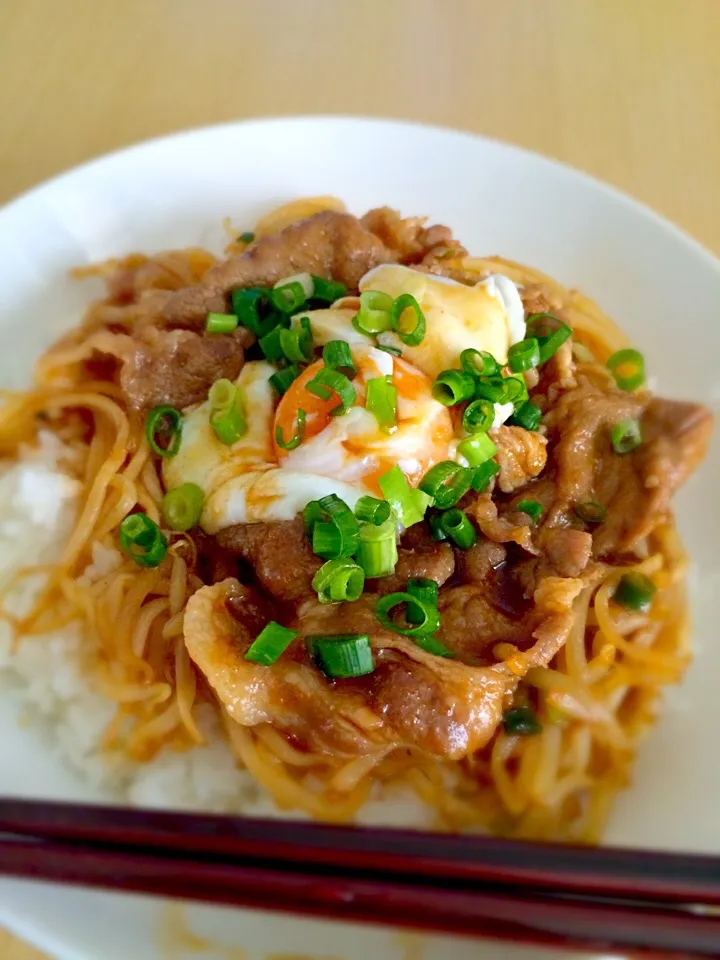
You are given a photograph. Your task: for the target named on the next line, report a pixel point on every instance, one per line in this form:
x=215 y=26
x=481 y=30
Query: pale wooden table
x=628 y=90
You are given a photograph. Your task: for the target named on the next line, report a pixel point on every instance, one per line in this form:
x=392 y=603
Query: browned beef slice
x=418 y=556
x=474 y=565
x=178 y=367
x=279 y=553
x=250 y=608
x=521 y=456
x=471 y=622
x=408 y=237
x=332 y=245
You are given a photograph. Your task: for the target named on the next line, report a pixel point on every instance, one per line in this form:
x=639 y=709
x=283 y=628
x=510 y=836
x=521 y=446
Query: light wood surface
x=628 y=90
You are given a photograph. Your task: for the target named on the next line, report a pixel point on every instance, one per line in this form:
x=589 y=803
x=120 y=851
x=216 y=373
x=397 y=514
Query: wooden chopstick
x=463 y=885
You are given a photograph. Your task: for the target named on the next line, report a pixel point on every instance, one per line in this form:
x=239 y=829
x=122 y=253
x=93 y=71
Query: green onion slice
x=182 y=506
x=425 y=589
x=591 y=512
x=246 y=237
x=333 y=527
x=271 y=344
x=524 y=355
x=297 y=343
x=410 y=332
x=371 y=510
x=479 y=363
x=408 y=503
x=163 y=429
x=270 y=644
x=426 y=618
x=527 y=416
x=249 y=305
x=436 y=528
x=452 y=387
x=521 y=722
x=457 y=526
x=227 y=417
x=635 y=591
x=446 y=483
x=387 y=348
x=342 y=655
x=289 y=297
x=477 y=449
x=143 y=540
x=377 y=553
x=337 y=356
x=340 y=580
x=381 y=400
x=297 y=438
x=281 y=380
x=373 y=317
x=626 y=436
x=628 y=368
x=515 y=390
x=221 y=322
x=532 y=508
x=550 y=333
x=490 y=388
x=483 y=474
x=327 y=290
x=326 y=382
x=478 y=416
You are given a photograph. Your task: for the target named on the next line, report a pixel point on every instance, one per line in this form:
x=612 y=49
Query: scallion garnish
x=246 y=237
x=426 y=618
x=297 y=437
x=270 y=644
x=478 y=416
x=477 y=449
x=271 y=344
x=333 y=527
x=327 y=290
x=635 y=591
x=163 y=429
x=377 y=553
x=527 y=416
x=227 y=417
x=297 y=342
x=340 y=580
x=337 y=356
x=452 y=387
x=425 y=589
x=221 y=322
x=326 y=382
x=532 y=508
x=515 y=390
x=483 y=474
x=282 y=379
x=628 y=368
x=550 y=333
x=373 y=317
x=410 y=332
x=490 y=388
x=182 y=506
x=289 y=296
x=446 y=483
x=479 y=363
x=371 y=510
x=143 y=540
x=408 y=503
x=591 y=512
x=626 y=436
x=386 y=348
x=249 y=305
x=381 y=400
x=342 y=655
x=524 y=355
x=436 y=528
x=457 y=526
x=521 y=721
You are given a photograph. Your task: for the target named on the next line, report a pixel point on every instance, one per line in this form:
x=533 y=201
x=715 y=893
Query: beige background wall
x=628 y=90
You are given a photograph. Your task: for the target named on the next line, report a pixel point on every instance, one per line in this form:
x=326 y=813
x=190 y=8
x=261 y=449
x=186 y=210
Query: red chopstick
x=565 y=896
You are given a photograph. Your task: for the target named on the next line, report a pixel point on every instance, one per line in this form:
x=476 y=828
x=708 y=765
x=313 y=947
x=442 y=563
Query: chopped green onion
x=483 y=474
x=377 y=553
x=436 y=528
x=524 y=355
x=337 y=356
x=591 y=512
x=327 y=290
x=628 y=368
x=313 y=513
x=432 y=645
x=477 y=449
x=372 y=510
x=342 y=655
x=521 y=722
x=221 y=322
x=425 y=589
x=490 y=388
x=340 y=536
x=247 y=306
x=281 y=380
x=297 y=344
x=246 y=237
x=381 y=400
x=635 y=591
x=447 y=483
x=338 y=581
x=143 y=540
x=271 y=344
x=326 y=382
x=304 y=279
x=457 y=526
x=410 y=335
x=426 y=616
x=270 y=644
x=626 y=436
x=227 y=418
x=478 y=416
x=515 y=390
x=550 y=333
x=386 y=348
x=452 y=387
x=408 y=503
x=164 y=423
x=289 y=297
x=532 y=508
x=527 y=416
x=297 y=437
x=479 y=363
x=374 y=313
x=182 y=506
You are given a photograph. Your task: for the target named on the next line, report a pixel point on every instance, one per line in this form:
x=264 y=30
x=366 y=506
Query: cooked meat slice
x=332 y=245
x=250 y=608
x=408 y=237
x=471 y=624
x=279 y=553
x=474 y=565
x=513 y=529
x=178 y=367
x=418 y=556
x=521 y=456
x=565 y=552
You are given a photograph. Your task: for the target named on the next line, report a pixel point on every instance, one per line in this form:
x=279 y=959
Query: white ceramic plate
x=658 y=284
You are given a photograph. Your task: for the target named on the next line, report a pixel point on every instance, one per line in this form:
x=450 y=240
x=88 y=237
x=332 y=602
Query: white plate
x=660 y=285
